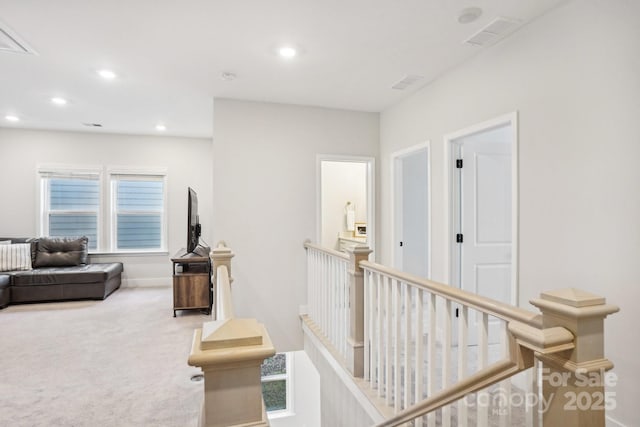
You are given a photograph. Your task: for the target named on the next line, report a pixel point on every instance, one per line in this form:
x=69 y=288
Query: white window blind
x=124 y=213
x=138 y=212
x=71 y=205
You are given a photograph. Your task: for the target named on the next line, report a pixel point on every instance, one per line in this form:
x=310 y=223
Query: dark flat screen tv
x=193 y=222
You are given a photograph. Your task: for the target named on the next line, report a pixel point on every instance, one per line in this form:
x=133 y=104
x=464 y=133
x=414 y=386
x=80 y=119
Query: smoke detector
x=469 y=15
x=11 y=42
x=494 y=31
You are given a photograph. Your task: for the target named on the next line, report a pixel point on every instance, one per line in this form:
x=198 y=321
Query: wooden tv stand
x=192 y=280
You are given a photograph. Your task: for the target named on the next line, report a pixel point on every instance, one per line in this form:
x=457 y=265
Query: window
x=138 y=211
x=71 y=205
x=125 y=214
x=276 y=373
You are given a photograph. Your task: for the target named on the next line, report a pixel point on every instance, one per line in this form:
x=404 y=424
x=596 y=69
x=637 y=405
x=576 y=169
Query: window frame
x=137 y=174
x=288 y=378
x=106 y=228
x=45 y=174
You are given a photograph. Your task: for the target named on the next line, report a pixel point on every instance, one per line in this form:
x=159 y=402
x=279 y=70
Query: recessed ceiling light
x=161 y=127
x=58 y=101
x=12 y=118
x=469 y=15
x=287 y=51
x=107 y=74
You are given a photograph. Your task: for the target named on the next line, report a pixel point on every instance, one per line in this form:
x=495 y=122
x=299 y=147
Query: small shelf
x=192 y=281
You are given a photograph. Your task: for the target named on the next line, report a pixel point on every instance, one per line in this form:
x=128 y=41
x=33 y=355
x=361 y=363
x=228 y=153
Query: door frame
x=397 y=155
x=371 y=193
x=509 y=119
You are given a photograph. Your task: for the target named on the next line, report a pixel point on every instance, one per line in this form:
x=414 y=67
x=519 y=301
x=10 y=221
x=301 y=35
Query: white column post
x=355 y=341
x=574 y=380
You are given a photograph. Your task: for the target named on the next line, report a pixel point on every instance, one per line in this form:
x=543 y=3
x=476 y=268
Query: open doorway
x=345 y=202
x=412 y=210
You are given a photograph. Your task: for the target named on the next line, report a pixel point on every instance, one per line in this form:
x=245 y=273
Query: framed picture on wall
x=360 y=229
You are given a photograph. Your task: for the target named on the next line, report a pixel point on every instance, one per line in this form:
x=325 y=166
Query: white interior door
x=484 y=224
x=412 y=212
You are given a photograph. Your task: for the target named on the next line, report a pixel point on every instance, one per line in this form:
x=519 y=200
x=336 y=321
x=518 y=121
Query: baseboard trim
x=156 y=282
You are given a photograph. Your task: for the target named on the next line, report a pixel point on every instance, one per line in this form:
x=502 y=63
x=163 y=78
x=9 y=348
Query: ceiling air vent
x=406 y=82
x=494 y=31
x=10 y=42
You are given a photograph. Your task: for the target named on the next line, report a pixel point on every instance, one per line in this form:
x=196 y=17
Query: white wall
x=573 y=77
x=187 y=161
x=342 y=182
x=264 y=195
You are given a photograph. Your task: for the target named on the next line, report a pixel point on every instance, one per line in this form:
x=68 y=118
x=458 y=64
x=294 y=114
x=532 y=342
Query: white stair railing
x=417 y=344
x=328 y=294
x=422 y=346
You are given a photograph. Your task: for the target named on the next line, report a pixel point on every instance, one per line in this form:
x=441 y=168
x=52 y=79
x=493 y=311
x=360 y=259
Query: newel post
x=221 y=255
x=573 y=382
x=355 y=341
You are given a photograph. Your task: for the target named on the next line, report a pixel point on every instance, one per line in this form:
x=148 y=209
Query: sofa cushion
x=15 y=257
x=5 y=281
x=61 y=251
x=89 y=273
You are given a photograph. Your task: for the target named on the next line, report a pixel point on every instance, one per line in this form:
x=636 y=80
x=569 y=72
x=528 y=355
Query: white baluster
x=463 y=359
x=396 y=345
x=331 y=285
x=407 y=345
x=505 y=386
x=379 y=335
x=388 y=342
x=419 y=343
x=483 y=357
x=533 y=418
x=446 y=361
x=368 y=298
x=431 y=355
x=345 y=305
x=373 y=334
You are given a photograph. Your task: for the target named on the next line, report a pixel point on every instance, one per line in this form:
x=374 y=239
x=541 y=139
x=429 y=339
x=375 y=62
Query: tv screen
x=193 y=224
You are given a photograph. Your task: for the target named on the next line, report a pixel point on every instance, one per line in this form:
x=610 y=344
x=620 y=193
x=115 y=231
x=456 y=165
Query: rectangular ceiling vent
x=406 y=82
x=494 y=31
x=10 y=42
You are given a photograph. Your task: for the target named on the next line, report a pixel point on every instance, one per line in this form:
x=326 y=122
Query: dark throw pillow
x=61 y=251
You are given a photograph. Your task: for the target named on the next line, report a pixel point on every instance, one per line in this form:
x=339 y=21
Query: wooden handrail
x=486 y=305
x=224 y=303
x=332 y=252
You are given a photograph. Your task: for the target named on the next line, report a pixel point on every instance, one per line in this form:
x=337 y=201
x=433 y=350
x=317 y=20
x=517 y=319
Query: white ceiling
x=170 y=54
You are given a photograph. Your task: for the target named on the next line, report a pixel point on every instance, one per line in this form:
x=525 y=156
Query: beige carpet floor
x=118 y=362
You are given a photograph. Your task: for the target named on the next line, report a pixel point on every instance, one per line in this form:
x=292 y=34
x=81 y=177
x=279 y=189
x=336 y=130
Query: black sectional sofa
x=60 y=270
